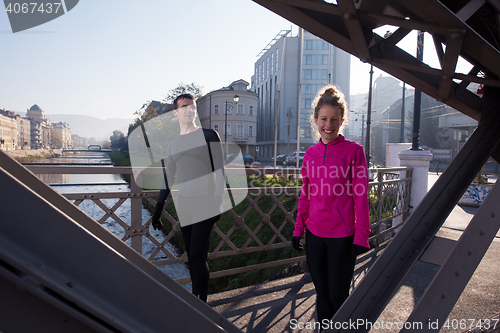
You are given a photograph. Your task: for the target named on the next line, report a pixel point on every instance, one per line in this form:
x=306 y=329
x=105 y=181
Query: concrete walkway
x=288 y=305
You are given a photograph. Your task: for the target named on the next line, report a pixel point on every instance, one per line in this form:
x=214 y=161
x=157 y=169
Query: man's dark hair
x=183 y=96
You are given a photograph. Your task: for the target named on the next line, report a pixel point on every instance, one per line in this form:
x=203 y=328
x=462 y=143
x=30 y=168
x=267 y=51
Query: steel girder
x=468 y=29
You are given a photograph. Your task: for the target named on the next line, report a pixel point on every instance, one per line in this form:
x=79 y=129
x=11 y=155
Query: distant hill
x=88 y=127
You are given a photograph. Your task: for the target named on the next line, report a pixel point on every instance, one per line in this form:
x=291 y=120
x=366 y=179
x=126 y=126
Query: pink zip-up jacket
x=333 y=202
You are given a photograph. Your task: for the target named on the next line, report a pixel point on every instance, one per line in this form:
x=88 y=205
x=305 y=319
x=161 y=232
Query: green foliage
x=120 y=159
x=239 y=237
x=182 y=88
x=118 y=140
x=55 y=139
x=481 y=178
x=147 y=112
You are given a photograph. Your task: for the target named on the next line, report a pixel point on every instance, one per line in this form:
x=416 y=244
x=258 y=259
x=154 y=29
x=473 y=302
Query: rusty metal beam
x=453 y=46
x=455 y=273
x=353 y=26
x=470 y=9
x=321 y=18
x=474 y=45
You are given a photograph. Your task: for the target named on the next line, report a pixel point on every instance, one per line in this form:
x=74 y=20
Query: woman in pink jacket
x=333 y=205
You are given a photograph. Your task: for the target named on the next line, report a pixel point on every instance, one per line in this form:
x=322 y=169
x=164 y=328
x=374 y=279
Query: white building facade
x=64 y=132
x=8 y=132
x=236 y=122
x=288 y=74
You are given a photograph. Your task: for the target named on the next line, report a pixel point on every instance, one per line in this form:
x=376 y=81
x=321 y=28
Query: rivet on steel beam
x=481 y=232
x=443 y=295
x=402 y=256
x=427 y=237
x=388 y=275
x=446 y=77
x=415 y=238
x=456 y=35
x=438 y=206
x=493 y=214
x=374 y=295
x=427 y=222
x=470 y=252
x=70 y=284
x=448 y=192
x=457 y=272
x=417 y=251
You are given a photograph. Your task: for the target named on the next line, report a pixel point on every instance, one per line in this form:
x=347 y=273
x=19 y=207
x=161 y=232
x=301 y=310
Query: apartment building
x=64 y=132
x=235 y=119
x=288 y=73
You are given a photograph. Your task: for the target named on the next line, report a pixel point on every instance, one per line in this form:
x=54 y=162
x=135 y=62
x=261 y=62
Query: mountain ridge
x=92 y=127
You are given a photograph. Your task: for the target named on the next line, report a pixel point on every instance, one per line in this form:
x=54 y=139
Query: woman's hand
x=296 y=243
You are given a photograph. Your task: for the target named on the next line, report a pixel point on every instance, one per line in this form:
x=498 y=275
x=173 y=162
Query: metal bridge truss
x=471 y=30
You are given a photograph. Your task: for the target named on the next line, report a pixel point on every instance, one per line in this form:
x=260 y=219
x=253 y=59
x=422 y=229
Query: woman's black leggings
x=331 y=264
x=197 y=239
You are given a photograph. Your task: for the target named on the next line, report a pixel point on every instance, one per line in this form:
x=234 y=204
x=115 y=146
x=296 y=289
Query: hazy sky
x=106 y=58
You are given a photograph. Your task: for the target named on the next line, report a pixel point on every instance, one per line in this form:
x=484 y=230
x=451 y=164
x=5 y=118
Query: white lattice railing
x=262 y=222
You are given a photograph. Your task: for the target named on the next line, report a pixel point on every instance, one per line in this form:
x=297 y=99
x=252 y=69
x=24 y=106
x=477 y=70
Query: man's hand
x=296 y=243
x=157 y=225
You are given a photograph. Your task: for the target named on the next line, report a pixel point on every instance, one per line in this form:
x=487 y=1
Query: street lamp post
x=227 y=107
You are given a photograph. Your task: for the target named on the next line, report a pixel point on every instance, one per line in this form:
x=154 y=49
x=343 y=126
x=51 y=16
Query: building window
x=228 y=108
x=276 y=59
x=250 y=130
x=258 y=75
x=216 y=109
x=272 y=62
x=239 y=131
x=305 y=103
x=240 y=109
x=216 y=128
x=228 y=129
x=250 y=110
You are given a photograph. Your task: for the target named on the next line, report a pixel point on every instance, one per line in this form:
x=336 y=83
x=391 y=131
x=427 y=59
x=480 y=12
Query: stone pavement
x=288 y=305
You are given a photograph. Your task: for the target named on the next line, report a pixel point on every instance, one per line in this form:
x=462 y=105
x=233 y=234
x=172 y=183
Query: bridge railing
x=262 y=222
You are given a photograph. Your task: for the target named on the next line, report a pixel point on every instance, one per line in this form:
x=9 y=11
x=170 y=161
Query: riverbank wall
x=27 y=155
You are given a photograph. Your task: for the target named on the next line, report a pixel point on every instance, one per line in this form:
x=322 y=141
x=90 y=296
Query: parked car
x=281 y=159
x=292 y=159
x=247 y=158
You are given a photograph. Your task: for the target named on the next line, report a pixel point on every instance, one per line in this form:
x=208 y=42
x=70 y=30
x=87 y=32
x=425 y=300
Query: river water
x=88 y=183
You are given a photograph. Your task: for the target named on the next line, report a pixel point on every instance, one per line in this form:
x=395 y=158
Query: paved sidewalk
x=287 y=305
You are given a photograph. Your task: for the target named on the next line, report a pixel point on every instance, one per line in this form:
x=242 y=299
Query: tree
x=55 y=140
x=118 y=140
x=106 y=144
x=191 y=88
x=149 y=111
